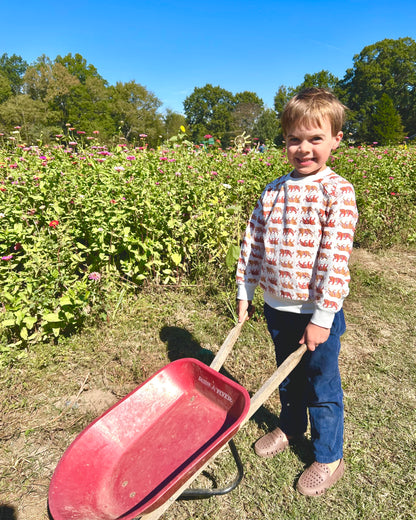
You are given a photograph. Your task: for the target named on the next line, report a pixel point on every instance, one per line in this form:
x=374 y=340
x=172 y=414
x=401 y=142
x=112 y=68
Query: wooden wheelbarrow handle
x=274 y=380
x=256 y=401
x=227 y=346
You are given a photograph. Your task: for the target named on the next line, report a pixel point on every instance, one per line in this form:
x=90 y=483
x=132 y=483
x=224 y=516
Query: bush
x=78 y=223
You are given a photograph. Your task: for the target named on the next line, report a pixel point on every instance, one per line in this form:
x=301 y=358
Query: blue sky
x=171 y=47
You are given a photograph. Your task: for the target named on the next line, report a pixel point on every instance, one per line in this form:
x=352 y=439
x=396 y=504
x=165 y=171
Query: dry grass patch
x=51 y=395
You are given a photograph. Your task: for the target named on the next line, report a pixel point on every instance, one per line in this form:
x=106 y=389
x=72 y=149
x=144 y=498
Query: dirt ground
x=42 y=412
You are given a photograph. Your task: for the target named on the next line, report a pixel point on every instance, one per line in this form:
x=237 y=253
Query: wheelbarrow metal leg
x=192 y=494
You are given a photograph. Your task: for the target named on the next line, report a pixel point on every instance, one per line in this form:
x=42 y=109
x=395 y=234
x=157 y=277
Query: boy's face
x=309 y=147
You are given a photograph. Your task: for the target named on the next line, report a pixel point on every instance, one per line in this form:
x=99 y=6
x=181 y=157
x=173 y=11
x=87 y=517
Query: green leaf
x=30 y=321
x=176 y=258
x=23 y=333
x=65 y=301
x=232 y=256
x=9 y=323
x=8 y=296
x=52 y=317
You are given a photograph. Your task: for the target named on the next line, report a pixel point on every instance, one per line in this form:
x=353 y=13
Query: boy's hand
x=314 y=335
x=244 y=306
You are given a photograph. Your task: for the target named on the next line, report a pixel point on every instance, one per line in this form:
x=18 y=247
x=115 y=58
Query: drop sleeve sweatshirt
x=297 y=245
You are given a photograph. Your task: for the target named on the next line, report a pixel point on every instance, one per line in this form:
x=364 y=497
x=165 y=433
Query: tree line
x=56 y=97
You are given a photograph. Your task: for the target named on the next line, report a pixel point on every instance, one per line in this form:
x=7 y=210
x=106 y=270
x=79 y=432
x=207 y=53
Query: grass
x=50 y=395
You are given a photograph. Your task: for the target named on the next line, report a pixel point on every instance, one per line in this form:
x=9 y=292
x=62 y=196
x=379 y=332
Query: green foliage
x=13 y=68
x=76 y=226
x=48 y=97
x=386 y=123
x=208 y=111
x=267 y=127
x=79 y=221
x=384 y=180
x=51 y=95
x=386 y=67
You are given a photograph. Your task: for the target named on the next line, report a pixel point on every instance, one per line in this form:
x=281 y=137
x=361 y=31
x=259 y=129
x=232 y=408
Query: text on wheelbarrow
x=220 y=392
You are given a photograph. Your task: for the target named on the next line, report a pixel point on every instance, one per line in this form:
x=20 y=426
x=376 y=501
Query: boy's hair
x=312 y=106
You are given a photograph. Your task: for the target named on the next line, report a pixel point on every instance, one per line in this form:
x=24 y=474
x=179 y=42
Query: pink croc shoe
x=271 y=444
x=316 y=479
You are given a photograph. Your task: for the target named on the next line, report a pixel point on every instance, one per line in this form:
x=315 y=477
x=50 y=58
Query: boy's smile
x=309 y=147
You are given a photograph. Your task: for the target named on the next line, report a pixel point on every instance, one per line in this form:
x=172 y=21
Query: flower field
x=81 y=222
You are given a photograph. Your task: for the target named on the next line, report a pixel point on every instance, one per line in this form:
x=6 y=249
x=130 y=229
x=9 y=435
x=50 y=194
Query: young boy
x=296 y=247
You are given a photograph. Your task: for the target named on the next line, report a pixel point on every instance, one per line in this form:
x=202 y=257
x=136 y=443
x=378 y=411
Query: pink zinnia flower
x=94 y=276
x=7 y=258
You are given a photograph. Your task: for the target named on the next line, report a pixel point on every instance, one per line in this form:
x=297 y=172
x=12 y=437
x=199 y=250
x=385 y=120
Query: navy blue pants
x=314 y=385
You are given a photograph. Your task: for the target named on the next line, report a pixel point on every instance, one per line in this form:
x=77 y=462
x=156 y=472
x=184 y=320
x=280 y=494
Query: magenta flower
x=7 y=258
x=94 y=276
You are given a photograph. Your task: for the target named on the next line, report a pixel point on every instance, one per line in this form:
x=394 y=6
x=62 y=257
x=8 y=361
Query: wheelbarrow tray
x=144 y=448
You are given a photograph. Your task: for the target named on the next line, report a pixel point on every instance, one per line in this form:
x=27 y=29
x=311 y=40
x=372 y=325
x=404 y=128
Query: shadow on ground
x=7 y=512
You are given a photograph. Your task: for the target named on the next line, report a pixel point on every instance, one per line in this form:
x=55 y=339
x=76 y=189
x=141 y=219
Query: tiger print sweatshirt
x=297 y=245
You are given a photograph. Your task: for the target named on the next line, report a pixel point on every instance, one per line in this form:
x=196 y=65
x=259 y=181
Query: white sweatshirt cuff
x=245 y=292
x=323 y=318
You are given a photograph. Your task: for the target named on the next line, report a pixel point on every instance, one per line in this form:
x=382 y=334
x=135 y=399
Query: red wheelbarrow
x=142 y=454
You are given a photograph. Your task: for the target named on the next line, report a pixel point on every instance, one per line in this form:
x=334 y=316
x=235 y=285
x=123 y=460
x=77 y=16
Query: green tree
x=208 y=111
x=389 y=67
x=77 y=66
x=172 y=123
x=248 y=107
x=281 y=97
x=52 y=84
x=267 y=127
x=322 y=79
x=14 y=68
x=134 y=111
x=5 y=88
x=31 y=115
x=87 y=107
x=386 y=124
